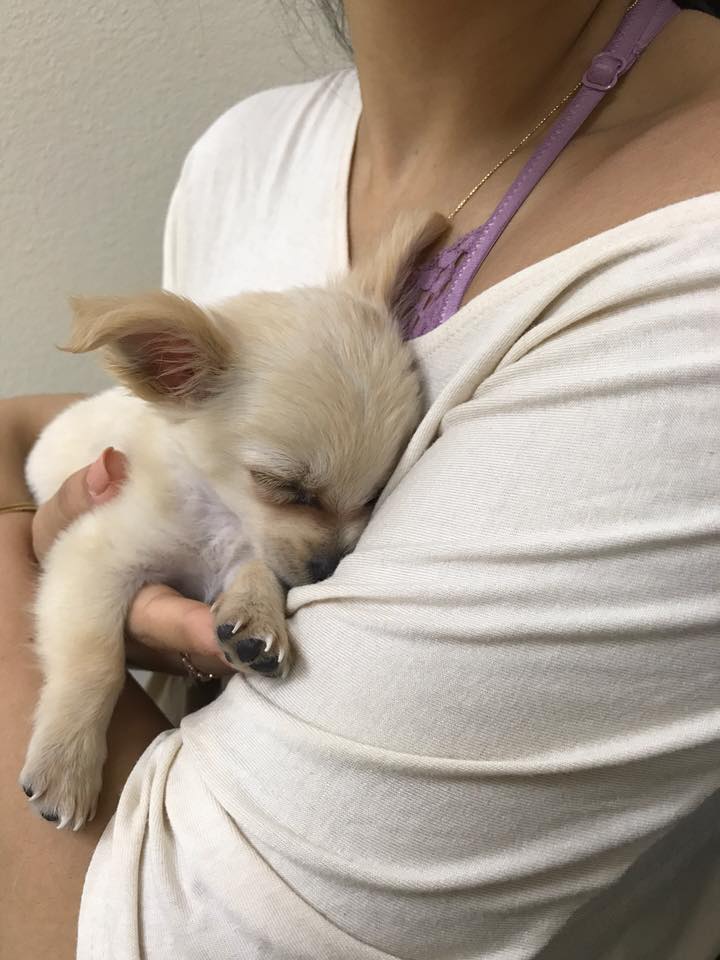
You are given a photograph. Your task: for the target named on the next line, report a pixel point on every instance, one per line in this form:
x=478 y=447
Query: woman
x=503 y=738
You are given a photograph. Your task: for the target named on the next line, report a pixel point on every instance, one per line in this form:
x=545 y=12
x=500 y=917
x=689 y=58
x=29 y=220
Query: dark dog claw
x=28 y=791
x=51 y=817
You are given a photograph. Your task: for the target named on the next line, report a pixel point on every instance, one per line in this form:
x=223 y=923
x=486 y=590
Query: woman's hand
x=83 y=490
x=161 y=623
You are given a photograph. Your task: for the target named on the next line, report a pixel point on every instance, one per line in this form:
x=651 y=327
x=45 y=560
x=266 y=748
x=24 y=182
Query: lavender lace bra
x=436 y=287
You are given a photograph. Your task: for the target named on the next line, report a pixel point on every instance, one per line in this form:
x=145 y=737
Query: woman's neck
x=466 y=76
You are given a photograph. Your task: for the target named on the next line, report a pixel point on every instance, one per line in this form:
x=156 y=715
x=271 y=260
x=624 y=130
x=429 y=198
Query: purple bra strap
x=638 y=28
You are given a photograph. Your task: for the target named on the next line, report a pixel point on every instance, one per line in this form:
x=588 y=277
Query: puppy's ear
x=383 y=275
x=161 y=346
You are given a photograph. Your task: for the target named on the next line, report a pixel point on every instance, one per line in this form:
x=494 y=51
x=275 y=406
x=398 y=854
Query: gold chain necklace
x=469 y=196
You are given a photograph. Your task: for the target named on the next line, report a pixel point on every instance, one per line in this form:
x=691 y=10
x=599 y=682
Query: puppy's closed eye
x=281 y=490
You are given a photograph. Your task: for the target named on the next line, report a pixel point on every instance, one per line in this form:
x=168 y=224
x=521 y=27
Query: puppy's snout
x=322 y=565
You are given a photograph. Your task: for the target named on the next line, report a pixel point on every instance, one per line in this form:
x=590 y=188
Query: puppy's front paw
x=62 y=776
x=252 y=634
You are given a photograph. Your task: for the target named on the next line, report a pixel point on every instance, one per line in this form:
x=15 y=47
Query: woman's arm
x=21 y=420
x=509 y=691
x=44 y=869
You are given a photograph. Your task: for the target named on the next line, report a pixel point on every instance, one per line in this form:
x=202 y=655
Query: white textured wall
x=99 y=103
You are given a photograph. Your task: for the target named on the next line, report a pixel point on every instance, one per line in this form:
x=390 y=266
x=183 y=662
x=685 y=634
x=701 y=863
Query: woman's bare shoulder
x=671 y=152
x=686 y=134
x=684 y=147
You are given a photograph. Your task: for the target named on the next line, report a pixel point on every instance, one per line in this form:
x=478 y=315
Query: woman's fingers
x=163 y=619
x=83 y=490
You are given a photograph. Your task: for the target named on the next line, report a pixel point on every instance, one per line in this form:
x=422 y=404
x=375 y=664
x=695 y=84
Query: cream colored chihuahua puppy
x=258 y=432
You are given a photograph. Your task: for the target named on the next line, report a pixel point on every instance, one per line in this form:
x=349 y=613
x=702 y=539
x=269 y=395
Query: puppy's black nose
x=322 y=565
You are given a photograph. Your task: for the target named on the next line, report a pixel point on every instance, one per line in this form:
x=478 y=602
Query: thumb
x=82 y=491
x=163 y=619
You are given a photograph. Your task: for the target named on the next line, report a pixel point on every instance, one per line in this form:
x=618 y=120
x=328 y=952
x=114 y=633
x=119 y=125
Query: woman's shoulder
x=661 y=141
x=681 y=146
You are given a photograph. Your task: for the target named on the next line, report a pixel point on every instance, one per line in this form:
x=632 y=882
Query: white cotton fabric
x=502 y=740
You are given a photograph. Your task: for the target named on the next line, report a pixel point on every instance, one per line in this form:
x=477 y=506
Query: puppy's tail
x=382 y=275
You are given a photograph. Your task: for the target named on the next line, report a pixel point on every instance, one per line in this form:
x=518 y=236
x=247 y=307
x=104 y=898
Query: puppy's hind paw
x=62 y=778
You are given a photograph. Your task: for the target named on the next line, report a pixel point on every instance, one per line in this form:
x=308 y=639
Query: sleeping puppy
x=259 y=433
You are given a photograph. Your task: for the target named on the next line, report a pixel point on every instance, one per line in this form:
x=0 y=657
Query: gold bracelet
x=192 y=671
x=19 y=508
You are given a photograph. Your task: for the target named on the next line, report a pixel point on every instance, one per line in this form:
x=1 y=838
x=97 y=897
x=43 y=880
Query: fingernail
x=115 y=465
x=109 y=468
x=98 y=476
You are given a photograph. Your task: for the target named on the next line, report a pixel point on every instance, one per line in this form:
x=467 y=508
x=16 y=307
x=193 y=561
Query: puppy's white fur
x=258 y=432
